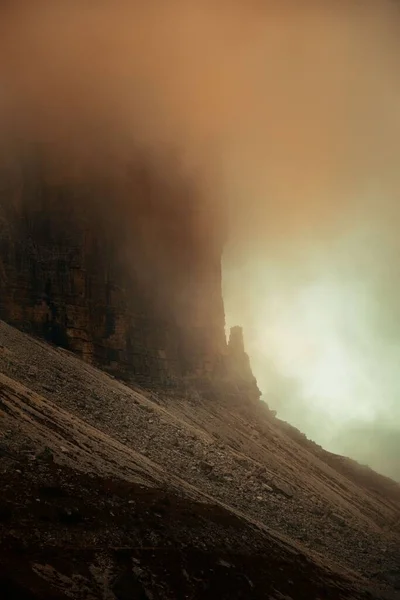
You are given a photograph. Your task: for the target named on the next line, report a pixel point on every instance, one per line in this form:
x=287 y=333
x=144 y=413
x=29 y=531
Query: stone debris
x=206 y=449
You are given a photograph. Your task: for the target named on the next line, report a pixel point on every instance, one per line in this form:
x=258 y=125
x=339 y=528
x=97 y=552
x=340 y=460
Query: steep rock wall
x=133 y=286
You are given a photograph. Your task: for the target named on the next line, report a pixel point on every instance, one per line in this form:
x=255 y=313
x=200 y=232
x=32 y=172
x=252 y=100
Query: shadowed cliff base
x=71 y=535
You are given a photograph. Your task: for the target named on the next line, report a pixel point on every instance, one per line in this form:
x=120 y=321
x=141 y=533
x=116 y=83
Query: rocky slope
x=112 y=492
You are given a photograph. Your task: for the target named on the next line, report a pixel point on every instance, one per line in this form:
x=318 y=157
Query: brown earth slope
x=115 y=493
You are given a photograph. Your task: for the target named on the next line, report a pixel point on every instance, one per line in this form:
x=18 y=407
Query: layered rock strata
x=133 y=286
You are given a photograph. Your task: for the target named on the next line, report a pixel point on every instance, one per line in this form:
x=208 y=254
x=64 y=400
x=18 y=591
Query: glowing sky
x=324 y=348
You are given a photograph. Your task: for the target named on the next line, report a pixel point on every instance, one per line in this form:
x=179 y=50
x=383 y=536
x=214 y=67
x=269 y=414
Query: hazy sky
x=286 y=114
x=319 y=293
x=323 y=334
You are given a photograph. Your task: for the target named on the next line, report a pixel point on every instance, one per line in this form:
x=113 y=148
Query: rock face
x=238 y=364
x=133 y=285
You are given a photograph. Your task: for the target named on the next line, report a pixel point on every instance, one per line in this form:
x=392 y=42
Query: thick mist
x=282 y=115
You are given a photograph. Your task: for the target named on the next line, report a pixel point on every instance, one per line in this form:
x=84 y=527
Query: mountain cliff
x=128 y=279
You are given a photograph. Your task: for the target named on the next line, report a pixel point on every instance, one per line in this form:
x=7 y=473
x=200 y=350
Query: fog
x=322 y=331
x=284 y=115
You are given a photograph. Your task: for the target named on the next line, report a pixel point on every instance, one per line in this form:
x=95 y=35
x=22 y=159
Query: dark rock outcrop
x=238 y=365
x=132 y=285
